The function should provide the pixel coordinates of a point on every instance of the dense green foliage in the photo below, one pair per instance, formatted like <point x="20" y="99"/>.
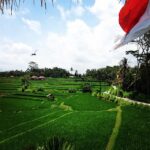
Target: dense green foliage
<point x="47" y="72"/>
<point x="16" y="73"/>
<point x="103" y="74"/>
<point x="141" y="82"/>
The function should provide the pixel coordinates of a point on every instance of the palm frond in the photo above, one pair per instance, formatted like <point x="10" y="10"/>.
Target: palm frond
<point x="12" y="4"/>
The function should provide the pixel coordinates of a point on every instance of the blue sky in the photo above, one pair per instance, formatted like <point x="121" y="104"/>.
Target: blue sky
<point x="69" y="34"/>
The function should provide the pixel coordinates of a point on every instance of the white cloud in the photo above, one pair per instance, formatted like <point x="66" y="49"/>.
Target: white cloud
<point x="105" y="8"/>
<point x="24" y="11"/>
<point x="32" y="25"/>
<point x="83" y="46"/>
<point x="14" y="55"/>
<point x="77" y="11"/>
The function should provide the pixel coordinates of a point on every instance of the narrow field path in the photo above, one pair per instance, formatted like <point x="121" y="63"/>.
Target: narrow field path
<point x="34" y="128"/>
<point x="135" y="102"/>
<point x="130" y="100"/>
<point x="29" y="121"/>
<point x="116" y="128"/>
<point x="93" y="111"/>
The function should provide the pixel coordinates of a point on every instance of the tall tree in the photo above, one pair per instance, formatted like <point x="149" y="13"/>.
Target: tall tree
<point x="142" y="55"/>
<point x="33" y="65"/>
<point x="122" y="73"/>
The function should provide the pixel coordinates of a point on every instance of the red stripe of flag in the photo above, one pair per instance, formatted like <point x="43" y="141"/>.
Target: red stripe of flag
<point x="131" y="12"/>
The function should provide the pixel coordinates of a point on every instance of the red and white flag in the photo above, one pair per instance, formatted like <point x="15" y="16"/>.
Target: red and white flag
<point x="134" y="19"/>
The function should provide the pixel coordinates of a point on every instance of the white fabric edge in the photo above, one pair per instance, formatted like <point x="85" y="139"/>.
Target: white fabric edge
<point x="138" y="30"/>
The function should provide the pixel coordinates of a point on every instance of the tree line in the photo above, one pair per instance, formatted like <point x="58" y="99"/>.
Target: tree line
<point x="47" y="72"/>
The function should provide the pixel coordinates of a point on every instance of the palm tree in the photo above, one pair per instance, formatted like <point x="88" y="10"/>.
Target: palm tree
<point x="142" y="54"/>
<point x="15" y="3"/>
<point x="12" y="4"/>
<point x="121" y="74"/>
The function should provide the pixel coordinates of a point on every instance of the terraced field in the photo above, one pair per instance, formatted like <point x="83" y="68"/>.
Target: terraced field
<point x="29" y="118"/>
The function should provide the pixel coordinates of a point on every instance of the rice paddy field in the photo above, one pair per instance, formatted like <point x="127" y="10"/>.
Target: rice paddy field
<point x="29" y="118"/>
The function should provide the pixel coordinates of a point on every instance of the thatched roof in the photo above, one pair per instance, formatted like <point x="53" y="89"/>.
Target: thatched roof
<point x="41" y="77"/>
<point x="34" y="77"/>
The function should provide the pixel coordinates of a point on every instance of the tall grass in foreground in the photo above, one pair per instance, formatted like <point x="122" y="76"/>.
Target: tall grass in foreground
<point x="54" y="143"/>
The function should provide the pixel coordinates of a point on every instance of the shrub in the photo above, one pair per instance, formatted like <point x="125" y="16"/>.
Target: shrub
<point x="126" y="94"/>
<point x="120" y="93"/>
<point x="132" y="95"/>
<point x="25" y="82"/>
<point x="117" y="91"/>
<point x="33" y="91"/>
<point x="40" y="89"/>
<point x="22" y="89"/>
<point x="72" y="90"/>
<point x="51" y="97"/>
<point x="95" y="94"/>
<point x="87" y="88"/>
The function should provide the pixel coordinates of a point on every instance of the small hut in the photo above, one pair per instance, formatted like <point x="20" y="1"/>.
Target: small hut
<point x="41" y="78"/>
<point x="34" y="78"/>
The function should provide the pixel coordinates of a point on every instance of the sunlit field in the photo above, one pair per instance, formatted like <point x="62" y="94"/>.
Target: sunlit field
<point x="29" y="118"/>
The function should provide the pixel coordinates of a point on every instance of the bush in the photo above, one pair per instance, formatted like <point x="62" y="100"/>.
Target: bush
<point x="94" y="94"/>
<point x="33" y="91"/>
<point x="22" y="89"/>
<point x="117" y="91"/>
<point x="87" y="88"/>
<point x="120" y="93"/>
<point x="51" y="97"/>
<point x="72" y="90"/>
<point x="40" y="89"/>
<point x="132" y="95"/>
<point x="126" y="94"/>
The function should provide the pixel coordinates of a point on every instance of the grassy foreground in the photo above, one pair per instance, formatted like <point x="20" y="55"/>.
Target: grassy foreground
<point x="29" y="118"/>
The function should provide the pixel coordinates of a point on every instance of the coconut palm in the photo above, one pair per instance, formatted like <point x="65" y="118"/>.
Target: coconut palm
<point x="12" y="4"/>
<point x="121" y="74"/>
<point x="15" y="3"/>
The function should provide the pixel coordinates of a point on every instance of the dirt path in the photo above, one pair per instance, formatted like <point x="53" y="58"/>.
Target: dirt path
<point x="113" y="137"/>
<point x="136" y="102"/>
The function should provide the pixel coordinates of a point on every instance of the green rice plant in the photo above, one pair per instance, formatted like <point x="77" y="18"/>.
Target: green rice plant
<point x="54" y="143"/>
<point x="65" y="107"/>
<point x="30" y="147"/>
<point x="134" y="132"/>
<point x="57" y="143"/>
